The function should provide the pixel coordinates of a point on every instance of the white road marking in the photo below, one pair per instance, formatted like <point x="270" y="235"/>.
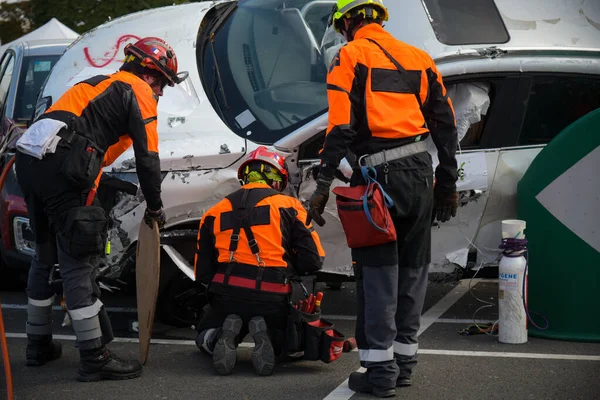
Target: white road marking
<point x="340" y="317"/>
<point x="463" y="321"/>
<point x="444" y="304"/>
<point x="124" y="340"/>
<point x="331" y="317"/>
<point x="342" y="392"/>
<point x="59" y="308"/>
<point x="439" y="352"/>
<point x="510" y="355"/>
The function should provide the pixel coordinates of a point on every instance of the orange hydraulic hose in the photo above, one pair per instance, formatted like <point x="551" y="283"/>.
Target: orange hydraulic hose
<point x="5" y="171"/>
<point x="5" y="358"/>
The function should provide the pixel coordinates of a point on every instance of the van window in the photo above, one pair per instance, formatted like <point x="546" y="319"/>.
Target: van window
<point x="263" y="70"/>
<point x="471" y="102"/>
<point x="555" y="103"/>
<point x="34" y="72"/>
<point x="6" y="71"/>
<point x="458" y="22"/>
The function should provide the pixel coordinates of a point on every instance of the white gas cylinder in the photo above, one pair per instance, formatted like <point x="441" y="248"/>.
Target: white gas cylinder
<point x="512" y="321"/>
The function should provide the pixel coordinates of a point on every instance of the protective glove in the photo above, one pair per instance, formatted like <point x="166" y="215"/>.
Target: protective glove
<point x="314" y="171"/>
<point x="316" y="206"/>
<point x="159" y="216"/>
<point x="445" y="204"/>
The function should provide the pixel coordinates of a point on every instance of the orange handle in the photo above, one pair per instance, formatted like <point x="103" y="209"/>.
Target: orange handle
<point x="5" y="358"/>
<point x="5" y="171"/>
<point x="309" y="303"/>
<point x="319" y="298"/>
<point x="90" y="197"/>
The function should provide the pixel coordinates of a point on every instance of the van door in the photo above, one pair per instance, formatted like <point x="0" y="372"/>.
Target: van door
<point x="6" y="72"/>
<point x="550" y="102"/>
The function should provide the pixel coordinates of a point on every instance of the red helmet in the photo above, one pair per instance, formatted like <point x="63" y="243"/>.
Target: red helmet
<point x="156" y="54"/>
<point x="268" y="158"/>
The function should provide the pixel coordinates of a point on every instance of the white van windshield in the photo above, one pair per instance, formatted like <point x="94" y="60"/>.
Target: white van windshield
<point x="264" y="71"/>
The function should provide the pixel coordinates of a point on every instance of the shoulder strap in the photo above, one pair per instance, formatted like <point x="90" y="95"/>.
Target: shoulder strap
<point x="400" y="68"/>
<point x="369" y="174"/>
<point x="242" y="204"/>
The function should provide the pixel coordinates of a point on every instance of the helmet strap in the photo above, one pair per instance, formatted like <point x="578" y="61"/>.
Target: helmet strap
<point x="261" y="171"/>
<point x="357" y="20"/>
<point x="354" y="24"/>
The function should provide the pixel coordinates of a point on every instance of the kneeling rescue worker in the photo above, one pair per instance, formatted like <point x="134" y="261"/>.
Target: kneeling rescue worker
<point x="250" y="246"/>
<point x="385" y="97"/>
<point x="88" y="128"/>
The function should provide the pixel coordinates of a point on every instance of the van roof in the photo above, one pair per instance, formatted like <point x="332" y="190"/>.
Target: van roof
<point x="43" y="47"/>
<point x="444" y="30"/>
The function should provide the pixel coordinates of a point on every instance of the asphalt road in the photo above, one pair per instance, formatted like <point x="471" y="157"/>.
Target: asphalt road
<point x="451" y="365"/>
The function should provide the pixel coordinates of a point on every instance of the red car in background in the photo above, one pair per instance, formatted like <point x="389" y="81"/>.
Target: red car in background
<point x="16" y="239"/>
<point x="24" y="68"/>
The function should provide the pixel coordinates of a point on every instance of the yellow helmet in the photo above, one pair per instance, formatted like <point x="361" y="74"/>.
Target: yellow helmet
<point x="369" y="9"/>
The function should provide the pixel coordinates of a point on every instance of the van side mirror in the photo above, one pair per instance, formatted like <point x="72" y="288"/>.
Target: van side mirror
<point x="42" y="105"/>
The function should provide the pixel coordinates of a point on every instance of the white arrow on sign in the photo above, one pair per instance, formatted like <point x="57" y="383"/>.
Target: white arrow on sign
<point x="574" y="198"/>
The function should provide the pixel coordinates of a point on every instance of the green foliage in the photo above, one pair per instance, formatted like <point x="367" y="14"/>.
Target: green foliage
<point x="81" y="16"/>
<point x="13" y="20"/>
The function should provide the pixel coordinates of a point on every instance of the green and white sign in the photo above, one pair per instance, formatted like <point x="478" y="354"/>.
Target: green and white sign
<point x="559" y="197"/>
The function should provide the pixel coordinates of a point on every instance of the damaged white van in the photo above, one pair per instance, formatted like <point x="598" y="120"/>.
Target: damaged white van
<point x="518" y="72"/>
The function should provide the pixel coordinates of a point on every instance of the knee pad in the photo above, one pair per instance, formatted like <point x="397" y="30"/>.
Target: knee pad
<point x="85" y="231"/>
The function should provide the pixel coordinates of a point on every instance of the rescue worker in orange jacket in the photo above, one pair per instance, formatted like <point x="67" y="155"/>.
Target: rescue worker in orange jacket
<point x="250" y="246"/>
<point x="87" y="128"/>
<point x="385" y="98"/>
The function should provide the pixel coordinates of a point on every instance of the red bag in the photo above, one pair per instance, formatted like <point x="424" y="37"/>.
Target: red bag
<point x="333" y="345"/>
<point x="322" y="341"/>
<point x="364" y="213"/>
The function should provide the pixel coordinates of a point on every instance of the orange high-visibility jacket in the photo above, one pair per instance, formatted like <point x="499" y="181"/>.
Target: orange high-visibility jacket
<point x="116" y="111"/>
<point x="284" y="245"/>
<point x="374" y="107"/>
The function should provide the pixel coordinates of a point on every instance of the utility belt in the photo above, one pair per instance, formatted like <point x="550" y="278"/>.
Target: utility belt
<point x="310" y="337"/>
<point x="254" y="277"/>
<point x="83" y="161"/>
<point x="386" y="156"/>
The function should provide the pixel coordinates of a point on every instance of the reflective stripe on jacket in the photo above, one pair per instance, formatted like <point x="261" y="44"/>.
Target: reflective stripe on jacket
<point x="373" y="107"/>
<point x="116" y="111"/>
<point x="287" y="247"/>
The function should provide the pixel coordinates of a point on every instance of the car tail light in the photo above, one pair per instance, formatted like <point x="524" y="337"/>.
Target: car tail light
<point x="24" y="240"/>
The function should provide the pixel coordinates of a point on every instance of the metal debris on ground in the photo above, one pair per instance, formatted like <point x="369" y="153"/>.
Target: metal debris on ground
<point x="477" y="329"/>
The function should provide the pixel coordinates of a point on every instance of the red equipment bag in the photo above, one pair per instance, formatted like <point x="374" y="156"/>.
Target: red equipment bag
<point x="322" y="341"/>
<point x="333" y="345"/>
<point x="364" y="213"/>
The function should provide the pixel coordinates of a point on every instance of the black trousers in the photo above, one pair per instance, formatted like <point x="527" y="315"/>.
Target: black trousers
<point x="68" y="234"/>
<point x="392" y="278"/>
<point x="221" y="306"/>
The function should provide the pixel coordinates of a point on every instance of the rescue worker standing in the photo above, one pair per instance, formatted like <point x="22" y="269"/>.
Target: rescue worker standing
<point x="93" y="123"/>
<point x="385" y="98"/>
<point x="250" y="246"/>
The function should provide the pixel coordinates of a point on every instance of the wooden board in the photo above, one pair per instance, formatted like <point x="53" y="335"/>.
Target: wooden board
<point x="147" y="271"/>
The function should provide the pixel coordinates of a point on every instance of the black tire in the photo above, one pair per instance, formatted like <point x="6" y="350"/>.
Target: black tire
<point x="180" y="303"/>
<point x="10" y="278"/>
<point x="334" y="285"/>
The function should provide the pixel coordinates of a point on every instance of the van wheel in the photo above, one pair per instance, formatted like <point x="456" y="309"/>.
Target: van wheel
<point x="181" y="302"/>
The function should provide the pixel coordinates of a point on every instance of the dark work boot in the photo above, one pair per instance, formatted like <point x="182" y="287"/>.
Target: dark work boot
<point x="403" y="382"/>
<point x="41" y="349"/>
<point x="225" y="351"/>
<point x="207" y="340"/>
<point x="99" y="364"/>
<point x="263" y="355"/>
<point x="359" y="382"/>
